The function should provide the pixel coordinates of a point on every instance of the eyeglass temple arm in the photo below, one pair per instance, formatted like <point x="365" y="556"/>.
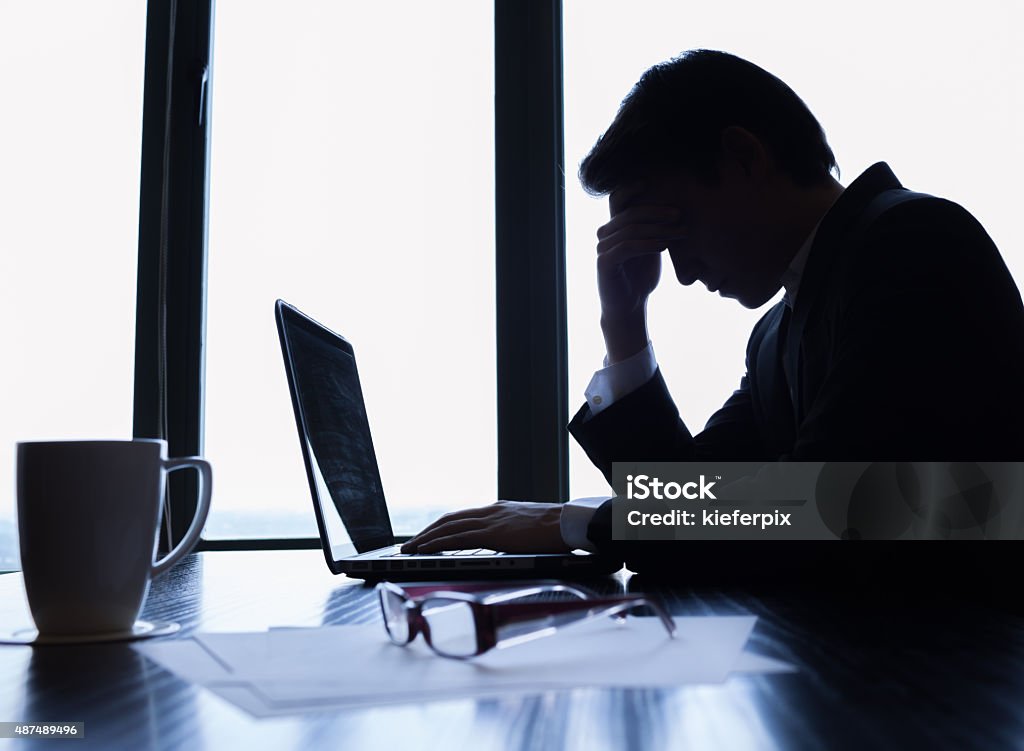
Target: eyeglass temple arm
<point x="492" y="592"/>
<point x="509" y="613"/>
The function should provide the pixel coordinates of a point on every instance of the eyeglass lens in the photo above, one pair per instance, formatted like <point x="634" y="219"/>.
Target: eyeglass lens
<point x="452" y="626"/>
<point x="396" y="617"/>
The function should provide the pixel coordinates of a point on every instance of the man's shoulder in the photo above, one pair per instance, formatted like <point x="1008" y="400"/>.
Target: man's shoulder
<point x="921" y="222"/>
<point x="916" y="231"/>
<point x="908" y="212"/>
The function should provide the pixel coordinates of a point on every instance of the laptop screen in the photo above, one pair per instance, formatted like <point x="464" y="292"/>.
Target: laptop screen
<point x="344" y="478"/>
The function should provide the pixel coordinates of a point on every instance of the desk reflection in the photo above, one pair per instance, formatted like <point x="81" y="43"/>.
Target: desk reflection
<point x="123" y="699"/>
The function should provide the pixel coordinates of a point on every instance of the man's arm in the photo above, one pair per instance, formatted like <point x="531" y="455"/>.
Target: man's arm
<point x="928" y="361"/>
<point x="617" y="380"/>
<point x="645" y="426"/>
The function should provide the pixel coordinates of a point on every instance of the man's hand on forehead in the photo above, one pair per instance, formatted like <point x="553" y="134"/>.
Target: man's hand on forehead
<point x="640" y="223"/>
<point x="643" y="223"/>
<point x="639" y="215"/>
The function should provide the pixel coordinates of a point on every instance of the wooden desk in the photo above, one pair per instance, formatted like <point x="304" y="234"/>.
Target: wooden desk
<point x="872" y="675"/>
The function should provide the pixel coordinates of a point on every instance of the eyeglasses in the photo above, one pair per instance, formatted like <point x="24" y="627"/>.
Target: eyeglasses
<point x="458" y="622"/>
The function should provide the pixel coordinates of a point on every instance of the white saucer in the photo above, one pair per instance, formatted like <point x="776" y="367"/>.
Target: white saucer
<point x="141" y="630"/>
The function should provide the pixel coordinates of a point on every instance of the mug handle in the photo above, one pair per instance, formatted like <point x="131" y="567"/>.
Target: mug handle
<point x="191" y="537"/>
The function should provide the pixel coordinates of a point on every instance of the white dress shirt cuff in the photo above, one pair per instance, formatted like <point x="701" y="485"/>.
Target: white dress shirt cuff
<point x="613" y="382"/>
<point x="576" y="516"/>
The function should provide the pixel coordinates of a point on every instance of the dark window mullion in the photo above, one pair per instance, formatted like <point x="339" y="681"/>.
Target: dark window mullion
<point x="172" y="238"/>
<point x="530" y="244"/>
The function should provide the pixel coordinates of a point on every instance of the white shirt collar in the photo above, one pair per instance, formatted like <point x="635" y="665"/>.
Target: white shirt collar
<point x="792" y="275"/>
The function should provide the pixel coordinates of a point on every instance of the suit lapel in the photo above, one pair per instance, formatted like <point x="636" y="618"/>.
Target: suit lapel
<point x="833" y="230"/>
<point x="773" y="394"/>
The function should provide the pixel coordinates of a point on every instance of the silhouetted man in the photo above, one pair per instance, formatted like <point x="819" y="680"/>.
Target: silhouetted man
<point x="900" y="335"/>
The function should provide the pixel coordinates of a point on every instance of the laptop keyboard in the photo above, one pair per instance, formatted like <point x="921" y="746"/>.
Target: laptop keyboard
<point x="471" y="551"/>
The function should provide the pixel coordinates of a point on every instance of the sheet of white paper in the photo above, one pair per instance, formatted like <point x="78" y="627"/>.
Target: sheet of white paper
<point x="284" y="671"/>
<point x="295" y="665"/>
<point x="186" y="658"/>
<point x="320" y="652"/>
<point x="593" y="657"/>
<point x="189" y="660"/>
<point x="248" y="698"/>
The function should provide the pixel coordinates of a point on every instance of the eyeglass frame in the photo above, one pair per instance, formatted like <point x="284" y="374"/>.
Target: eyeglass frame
<point x="485" y="607"/>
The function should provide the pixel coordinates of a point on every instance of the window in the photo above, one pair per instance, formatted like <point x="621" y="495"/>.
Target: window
<point x="352" y="174"/>
<point x="932" y="89"/>
<point x="70" y="146"/>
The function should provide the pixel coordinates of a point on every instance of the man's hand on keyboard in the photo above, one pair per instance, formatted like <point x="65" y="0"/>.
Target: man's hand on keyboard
<point x="509" y="526"/>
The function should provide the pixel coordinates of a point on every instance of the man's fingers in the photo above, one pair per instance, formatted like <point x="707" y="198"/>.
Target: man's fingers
<point x="478" y="512"/>
<point x="639" y="215"/>
<point x="431" y="530"/>
<point x="438" y="530"/>
<point x="662" y="234"/>
<point x="457" y="541"/>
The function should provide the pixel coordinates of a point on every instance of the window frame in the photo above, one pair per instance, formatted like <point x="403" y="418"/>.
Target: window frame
<point x="532" y="361"/>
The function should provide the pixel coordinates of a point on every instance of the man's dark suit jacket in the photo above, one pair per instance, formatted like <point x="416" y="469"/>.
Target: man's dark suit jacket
<point x="905" y="342"/>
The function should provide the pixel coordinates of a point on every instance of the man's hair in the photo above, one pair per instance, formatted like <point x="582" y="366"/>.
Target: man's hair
<point x="673" y="119"/>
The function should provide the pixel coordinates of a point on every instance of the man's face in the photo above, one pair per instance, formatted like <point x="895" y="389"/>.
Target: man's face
<point x="728" y="230"/>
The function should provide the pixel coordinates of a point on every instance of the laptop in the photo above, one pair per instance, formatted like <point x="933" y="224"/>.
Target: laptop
<point x="344" y="480"/>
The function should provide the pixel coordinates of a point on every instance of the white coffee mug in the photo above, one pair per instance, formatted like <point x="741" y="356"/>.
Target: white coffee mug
<point x="87" y="521"/>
